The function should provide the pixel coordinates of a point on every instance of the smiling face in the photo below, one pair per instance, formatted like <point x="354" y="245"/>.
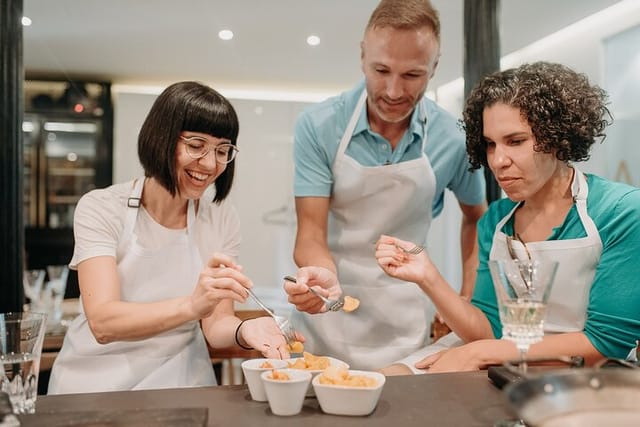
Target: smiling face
<point x="193" y="176"/>
<point x="520" y="171"/>
<point x="397" y="65"/>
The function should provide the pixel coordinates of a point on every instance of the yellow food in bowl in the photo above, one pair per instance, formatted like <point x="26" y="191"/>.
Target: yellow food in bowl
<point x="267" y="365"/>
<point x="278" y="376"/>
<point x="310" y="362"/>
<point x="339" y="376"/>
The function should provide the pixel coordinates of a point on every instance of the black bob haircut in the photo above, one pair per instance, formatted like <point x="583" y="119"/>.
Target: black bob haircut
<point x="185" y="106"/>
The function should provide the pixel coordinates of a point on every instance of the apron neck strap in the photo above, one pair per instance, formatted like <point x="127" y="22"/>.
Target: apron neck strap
<point x="579" y="188"/>
<point x="346" y="137"/>
<point x="133" y="204"/>
<point x="135" y="201"/>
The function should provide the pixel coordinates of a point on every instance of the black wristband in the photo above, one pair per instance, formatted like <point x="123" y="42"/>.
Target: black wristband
<point x="236" y="336"/>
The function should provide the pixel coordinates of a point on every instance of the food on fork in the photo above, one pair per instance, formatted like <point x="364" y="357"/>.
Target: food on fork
<point x="331" y="305"/>
<point x="350" y="304"/>
<point x="295" y="347"/>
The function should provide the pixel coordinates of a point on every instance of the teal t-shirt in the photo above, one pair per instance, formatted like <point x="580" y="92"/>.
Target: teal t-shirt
<point x="613" y="311"/>
<point x="320" y="127"/>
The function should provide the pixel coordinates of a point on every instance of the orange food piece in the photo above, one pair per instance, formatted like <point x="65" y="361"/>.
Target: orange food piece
<point x="310" y="362"/>
<point x="340" y="376"/>
<point x="295" y="347"/>
<point x="278" y="376"/>
<point x="266" y="364"/>
<point x="350" y="304"/>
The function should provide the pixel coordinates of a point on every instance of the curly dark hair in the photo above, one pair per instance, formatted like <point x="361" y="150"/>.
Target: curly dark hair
<point x="566" y="113"/>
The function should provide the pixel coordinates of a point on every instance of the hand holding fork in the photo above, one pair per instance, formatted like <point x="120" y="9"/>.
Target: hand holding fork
<point x="282" y="322"/>
<point x="331" y="305"/>
<point x="415" y="250"/>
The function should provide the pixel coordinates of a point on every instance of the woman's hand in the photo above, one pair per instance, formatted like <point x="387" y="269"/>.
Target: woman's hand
<point x="399" y="264"/>
<point x="469" y="357"/>
<point x="324" y="281"/>
<point x="221" y="279"/>
<point x="264" y="335"/>
<point x="455" y="359"/>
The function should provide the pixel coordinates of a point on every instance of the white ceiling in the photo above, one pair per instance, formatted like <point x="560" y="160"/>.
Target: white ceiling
<point x="156" y="42"/>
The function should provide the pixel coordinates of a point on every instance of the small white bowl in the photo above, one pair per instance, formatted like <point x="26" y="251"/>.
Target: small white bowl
<point x="252" y="370"/>
<point x="349" y="400"/>
<point x="314" y="372"/>
<point x="286" y="396"/>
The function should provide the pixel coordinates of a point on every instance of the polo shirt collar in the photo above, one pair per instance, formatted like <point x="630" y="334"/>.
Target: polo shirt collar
<point x="417" y="124"/>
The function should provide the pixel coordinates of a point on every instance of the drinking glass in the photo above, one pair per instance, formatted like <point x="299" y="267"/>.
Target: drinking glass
<point x="21" y="338"/>
<point x="55" y="289"/>
<point x="522" y="290"/>
<point x="32" y="281"/>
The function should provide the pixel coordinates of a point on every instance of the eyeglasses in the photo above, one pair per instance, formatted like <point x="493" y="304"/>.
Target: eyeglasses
<point x="526" y="270"/>
<point x="512" y="251"/>
<point x="197" y="148"/>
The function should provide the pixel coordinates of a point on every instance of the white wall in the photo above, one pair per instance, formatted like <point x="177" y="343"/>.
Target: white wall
<point x="263" y="193"/>
<point x="622" y="80"/>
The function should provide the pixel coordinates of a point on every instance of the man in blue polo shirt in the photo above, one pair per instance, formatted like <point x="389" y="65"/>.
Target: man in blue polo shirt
<point x="376" y="160"/>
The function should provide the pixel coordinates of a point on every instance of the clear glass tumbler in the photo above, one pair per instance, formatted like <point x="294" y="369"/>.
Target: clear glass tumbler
<point x="21" y="339"/>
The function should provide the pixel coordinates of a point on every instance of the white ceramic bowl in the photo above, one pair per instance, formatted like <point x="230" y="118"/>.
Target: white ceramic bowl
<point x="314" y="372"/>
<point x="252" y="370"/>
<point x="286" y="396"/>
<point x="349" y="400"/>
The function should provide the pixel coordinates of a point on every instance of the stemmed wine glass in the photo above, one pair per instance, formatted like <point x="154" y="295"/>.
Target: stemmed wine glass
<point x="522" y="290"/>
<point x="32" y="283"/>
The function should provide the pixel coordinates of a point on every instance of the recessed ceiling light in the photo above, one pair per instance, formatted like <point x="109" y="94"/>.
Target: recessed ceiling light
<point x="225" y="34"/>
<point x="26" y="21"/>
<point x="313" y="40"/>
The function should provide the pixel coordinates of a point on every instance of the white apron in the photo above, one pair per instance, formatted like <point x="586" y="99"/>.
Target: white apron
<point x="393" y="318"/>
<point x="176" y="358"/>
<point x="577" y="263"/>
<point x="578" y="260"/>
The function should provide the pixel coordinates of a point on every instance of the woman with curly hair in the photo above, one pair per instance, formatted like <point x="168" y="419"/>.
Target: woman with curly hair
<point x="528" y="125"/>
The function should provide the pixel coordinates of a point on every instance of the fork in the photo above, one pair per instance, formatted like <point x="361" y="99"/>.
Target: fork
<point x="331" y="305"/>
<point x="413" y="251"/>
<point x="282" y="322"/>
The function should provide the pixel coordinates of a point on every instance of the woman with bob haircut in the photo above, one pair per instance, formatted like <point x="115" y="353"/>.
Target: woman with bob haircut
<point x="156" y="259"/>
<point x="528" y="125"/>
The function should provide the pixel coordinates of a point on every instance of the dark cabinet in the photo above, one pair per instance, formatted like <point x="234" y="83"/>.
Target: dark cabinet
<point x="68" y="146"/>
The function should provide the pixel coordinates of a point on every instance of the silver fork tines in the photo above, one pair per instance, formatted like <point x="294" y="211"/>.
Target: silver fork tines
<point x="282" y="322"/>
<point x="413" y="251"/>
<point x="332" y="305"/>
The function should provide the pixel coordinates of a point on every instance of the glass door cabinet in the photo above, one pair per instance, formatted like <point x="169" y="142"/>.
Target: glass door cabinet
<point x="67" y="139"/>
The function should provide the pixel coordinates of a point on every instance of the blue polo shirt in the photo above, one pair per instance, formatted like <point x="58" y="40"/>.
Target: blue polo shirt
<point x="320" y="127"/>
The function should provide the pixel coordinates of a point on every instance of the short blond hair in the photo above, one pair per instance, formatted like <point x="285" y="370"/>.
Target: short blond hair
<point x="405" y="15"/>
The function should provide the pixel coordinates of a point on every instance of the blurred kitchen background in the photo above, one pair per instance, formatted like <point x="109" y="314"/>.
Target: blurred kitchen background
<point x="93" y="69"/>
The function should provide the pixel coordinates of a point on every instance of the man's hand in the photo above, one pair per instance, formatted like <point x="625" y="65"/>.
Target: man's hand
<point x="324" y="282"/>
